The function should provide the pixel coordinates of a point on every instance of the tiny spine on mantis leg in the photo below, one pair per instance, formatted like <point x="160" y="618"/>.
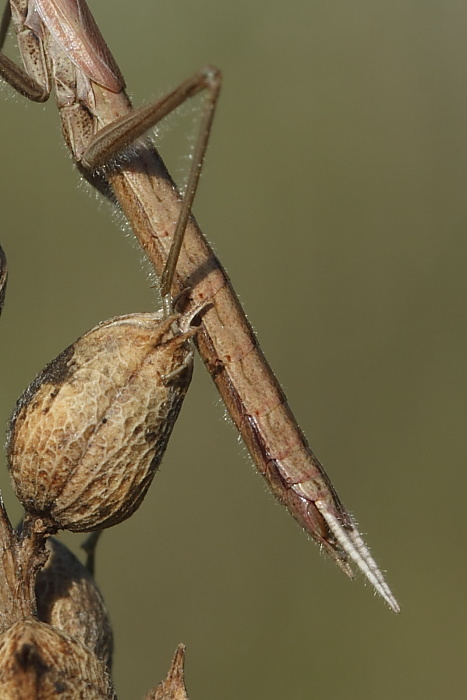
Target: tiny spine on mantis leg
<point x="61" y="45"/>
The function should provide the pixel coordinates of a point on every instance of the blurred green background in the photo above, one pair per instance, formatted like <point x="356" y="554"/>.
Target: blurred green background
<point x="335" y="195"/>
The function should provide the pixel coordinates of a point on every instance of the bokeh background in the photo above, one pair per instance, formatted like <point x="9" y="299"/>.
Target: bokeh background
<point x="335" y="195"/>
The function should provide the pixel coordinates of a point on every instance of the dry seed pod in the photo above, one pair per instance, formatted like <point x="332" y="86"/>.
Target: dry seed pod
<point x="68" y="598"/>
<point x="38" y="661"/>
<point x="173" y="686"/>
<point x="88" y="434"/>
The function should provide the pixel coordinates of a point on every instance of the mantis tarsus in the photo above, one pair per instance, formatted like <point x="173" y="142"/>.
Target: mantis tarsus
<point x="61" y="45"/>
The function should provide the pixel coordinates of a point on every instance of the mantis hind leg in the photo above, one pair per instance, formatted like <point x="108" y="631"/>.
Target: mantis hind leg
<point x="115" y="137"/>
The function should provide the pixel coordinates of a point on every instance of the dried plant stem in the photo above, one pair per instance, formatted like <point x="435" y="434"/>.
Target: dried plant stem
<point x="3" y="277"/>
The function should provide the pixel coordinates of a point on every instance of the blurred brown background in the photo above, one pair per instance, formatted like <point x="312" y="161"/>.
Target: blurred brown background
<point x="335" y="195"/>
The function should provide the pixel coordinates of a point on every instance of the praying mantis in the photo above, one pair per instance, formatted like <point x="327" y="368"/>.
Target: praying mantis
<point x="62" y="47"/>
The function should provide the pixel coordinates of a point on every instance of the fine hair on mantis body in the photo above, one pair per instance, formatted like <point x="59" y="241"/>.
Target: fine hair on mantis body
<point x="61" y="47"/>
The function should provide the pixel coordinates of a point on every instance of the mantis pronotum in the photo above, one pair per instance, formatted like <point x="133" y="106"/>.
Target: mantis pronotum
<point x="61" y="46"/>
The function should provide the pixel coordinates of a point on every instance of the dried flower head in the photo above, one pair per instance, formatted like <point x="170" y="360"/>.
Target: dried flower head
<point x="68" y="598"/>
<point x="38" y="661"/>
<point x="88" y="434"/>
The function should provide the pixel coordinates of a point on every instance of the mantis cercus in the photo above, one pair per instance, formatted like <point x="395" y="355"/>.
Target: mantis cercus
<point x="61" y="45"/>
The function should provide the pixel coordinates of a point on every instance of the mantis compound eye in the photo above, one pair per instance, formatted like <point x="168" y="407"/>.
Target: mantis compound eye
<point x="88" y="434"/>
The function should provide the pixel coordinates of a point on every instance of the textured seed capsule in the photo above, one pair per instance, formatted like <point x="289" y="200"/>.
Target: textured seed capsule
<point x="41" y="662"/>
<point x="68" y="598"/>
<point x="88" y="434"/>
